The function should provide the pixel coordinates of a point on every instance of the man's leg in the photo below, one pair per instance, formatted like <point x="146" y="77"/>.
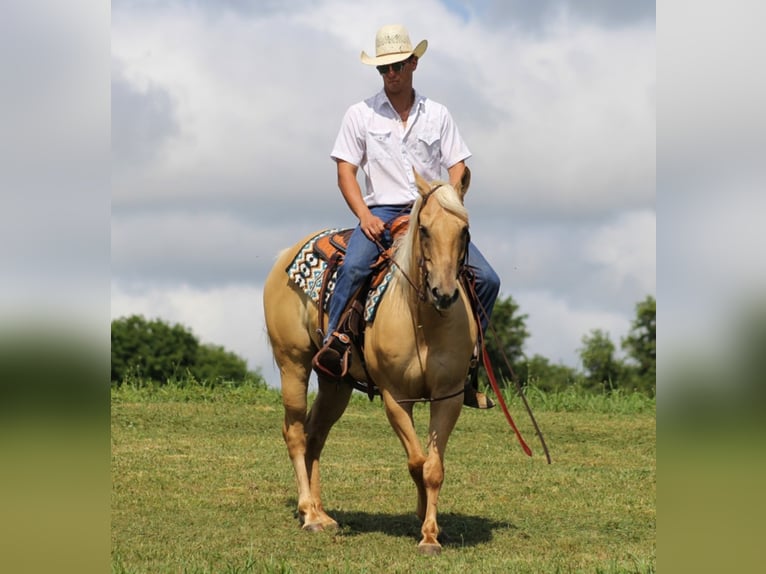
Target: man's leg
<point x="487" y="289"/>
<point x="361" y="253"/>
<point x="487" y="284"/>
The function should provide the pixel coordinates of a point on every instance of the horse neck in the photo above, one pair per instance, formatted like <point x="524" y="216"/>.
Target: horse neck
<point x="409" y="279"/>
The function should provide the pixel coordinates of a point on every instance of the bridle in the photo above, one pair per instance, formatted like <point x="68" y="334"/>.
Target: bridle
<point x="421" y="291"/>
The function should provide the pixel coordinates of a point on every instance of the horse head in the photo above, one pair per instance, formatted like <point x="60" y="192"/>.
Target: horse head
<point x="439" y="224"/>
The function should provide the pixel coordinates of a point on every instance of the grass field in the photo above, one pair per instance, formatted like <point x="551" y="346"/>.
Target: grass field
<point x="201" y="483"/>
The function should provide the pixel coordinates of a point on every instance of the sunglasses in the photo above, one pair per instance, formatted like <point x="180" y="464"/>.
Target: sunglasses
<point x="396" y="67"/>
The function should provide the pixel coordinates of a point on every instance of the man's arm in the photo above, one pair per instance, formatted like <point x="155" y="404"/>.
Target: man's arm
<point x="349" y="186"/>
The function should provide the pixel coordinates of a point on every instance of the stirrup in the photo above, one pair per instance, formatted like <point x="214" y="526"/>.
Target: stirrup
<point x="334" y="358"/>
<point x="471" y="395"/>
<point x="476" y="400"/>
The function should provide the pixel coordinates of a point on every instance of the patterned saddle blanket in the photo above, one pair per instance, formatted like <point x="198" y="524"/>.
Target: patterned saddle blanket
<point x="325" y="251"/>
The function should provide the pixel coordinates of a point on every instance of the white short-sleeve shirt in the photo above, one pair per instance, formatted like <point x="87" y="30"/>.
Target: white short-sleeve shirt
<point x="373" y="137"/>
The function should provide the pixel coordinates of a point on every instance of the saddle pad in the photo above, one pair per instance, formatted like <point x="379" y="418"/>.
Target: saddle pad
<point x="307" y="271"/>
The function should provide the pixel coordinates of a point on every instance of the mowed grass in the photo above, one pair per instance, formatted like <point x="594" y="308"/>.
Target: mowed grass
<point x="202" y="484"/>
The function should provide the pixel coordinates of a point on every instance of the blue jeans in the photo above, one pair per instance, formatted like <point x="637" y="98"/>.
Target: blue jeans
<point x="361" y="253"/>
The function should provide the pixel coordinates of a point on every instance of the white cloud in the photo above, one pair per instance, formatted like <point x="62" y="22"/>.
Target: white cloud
<point x="228" y="316"/>
<point x="560" y="118"/>
<point x="556" y="328"/>
<point x="249" y="112"/>
<point x="211" y="248"/>
<point x="625" y="251"/>
<point x="577" y="132"/>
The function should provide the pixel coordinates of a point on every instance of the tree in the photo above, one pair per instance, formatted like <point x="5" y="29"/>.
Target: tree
<point x="154" y="350"/>
<point x="601" y="366"/>
<point x="214" y="363"/>
<point x="641" y="345"/>
<point x="506" y="336"/>
<point x="539" y="371"/>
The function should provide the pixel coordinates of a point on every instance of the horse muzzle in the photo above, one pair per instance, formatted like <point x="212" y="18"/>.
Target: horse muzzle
<point x="443" y="301"/>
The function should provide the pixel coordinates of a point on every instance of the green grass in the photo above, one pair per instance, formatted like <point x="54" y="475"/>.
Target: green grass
<point x="202" y="484"/>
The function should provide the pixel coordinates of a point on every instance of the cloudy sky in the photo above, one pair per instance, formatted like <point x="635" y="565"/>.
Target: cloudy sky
<point x="224" y="114"/>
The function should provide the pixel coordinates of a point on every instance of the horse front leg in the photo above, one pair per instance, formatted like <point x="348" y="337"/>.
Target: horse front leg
<point x="330" y="403"/>
<point x="400" y="419"/>
<point x="444" y="415"/>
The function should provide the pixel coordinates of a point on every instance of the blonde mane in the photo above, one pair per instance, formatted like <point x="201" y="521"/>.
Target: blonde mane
<point x="451" y="202"/>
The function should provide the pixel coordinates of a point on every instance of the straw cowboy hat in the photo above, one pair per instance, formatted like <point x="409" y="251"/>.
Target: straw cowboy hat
<point x="392" y="44"/>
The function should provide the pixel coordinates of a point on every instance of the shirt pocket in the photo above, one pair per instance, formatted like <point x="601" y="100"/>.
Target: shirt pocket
<point x="428" y="147"/>
<point x="378" y="145"/>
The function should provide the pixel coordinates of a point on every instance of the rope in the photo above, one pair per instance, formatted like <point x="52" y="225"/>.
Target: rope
<point x="495" y="387"/>
<point x="429" y="399"/>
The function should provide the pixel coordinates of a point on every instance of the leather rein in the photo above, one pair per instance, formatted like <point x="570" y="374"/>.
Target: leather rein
<point x="420" y="291"/>
<point x="385" y="253"/>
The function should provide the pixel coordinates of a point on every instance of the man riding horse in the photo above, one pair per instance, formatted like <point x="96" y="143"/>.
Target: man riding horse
<point x="390" y="136"/>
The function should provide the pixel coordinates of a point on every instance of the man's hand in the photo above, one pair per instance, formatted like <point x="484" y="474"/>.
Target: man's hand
<point x="372" y="226"/>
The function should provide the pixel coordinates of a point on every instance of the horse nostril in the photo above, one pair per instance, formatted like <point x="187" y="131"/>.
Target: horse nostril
<point x="444" y="301"/>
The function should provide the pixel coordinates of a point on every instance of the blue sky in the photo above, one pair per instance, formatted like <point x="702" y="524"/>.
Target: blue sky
<point x="223" y="116"/>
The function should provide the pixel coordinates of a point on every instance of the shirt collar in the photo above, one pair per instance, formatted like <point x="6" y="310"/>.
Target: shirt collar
<point x="381" y="101"/>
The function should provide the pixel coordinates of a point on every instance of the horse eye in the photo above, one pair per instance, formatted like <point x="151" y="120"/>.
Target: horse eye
<point x="423" y="231"/>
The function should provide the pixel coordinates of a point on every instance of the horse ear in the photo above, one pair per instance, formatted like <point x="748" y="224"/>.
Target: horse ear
<point x="465" y="182"/>
<point x="422" y="184"/>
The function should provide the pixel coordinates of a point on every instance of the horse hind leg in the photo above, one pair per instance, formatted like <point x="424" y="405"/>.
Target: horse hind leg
<point x="294" y="389"/>
<point x="303" y="446"/>
<point x="330" y="403"/>
<point x="295" y="370"/>
<point x="415" y="466"/>
<point x="289" y="324"/>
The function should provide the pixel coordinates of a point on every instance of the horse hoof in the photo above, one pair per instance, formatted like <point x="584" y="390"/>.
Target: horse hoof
<point x="313" y="527"/>
<point x="429" y="549"/>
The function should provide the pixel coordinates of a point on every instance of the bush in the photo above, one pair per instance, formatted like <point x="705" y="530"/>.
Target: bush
<point x="539" y="371"/>
<point x="215" y="364"/>
<point x="153" y="350"/>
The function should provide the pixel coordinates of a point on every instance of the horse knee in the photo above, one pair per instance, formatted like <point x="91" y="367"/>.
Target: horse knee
<point x="294" y="434"/>
<point x="433" y="474"/>
<point x="415" y="464"/>
<point x="415" y="467"/>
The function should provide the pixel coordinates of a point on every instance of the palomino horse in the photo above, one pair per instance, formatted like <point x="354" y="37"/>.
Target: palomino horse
<point x="419" y="346"/>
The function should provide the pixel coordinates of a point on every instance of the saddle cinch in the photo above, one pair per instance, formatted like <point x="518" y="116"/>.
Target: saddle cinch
<point x="331" y="248"/>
